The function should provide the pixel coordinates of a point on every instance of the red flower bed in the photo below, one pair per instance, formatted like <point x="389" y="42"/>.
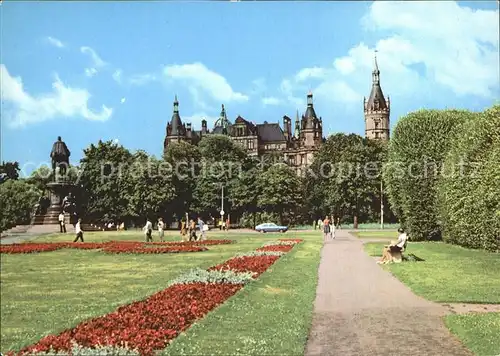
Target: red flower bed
<point x="85" y="245"/>
<point x="130" y="248"/>
<point x="256" y="264"/>
<point x="146" y="325"/>
<point x="292" y="240"/>
<point x="276" y="248"/>
<point x="114" y="246"/>
<point x="30" y="248"/>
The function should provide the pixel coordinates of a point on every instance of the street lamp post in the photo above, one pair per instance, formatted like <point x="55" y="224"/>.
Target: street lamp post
<point x="381" y="205"/>
<point x="221" y="201"/>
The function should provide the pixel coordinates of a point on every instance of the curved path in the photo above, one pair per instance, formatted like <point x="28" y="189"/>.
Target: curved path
<point x="360" y="309"/>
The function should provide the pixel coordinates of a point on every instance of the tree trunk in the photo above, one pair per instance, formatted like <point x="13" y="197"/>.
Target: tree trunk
<point x="355" y="225"/>
<point x="254" y="217"/>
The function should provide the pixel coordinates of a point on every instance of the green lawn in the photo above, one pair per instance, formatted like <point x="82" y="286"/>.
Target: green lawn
<point x="382" y="234"/>
<point x="449" y="273"/>
<point x="48" y="292"/>
<point x="479" y="332"/>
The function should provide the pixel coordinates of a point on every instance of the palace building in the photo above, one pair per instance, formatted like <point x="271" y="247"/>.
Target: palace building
<point x="297" y="144"/>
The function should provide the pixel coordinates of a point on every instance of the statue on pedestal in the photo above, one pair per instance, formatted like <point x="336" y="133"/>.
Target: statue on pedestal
<point x="60" y="156"/>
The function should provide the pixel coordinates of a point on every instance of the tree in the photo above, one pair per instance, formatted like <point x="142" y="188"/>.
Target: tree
<point x="150" y="188"/>
<point x="40" y="177"/>
<point x="185" y="160"/>
<point x="222" y="162"/>
<point x="280" y="191"/>
<point x="104" y="181"/>
<point x="9" y="170"/>
<point x="344" y="179"/>
<point x="18" y="199"/>
<point x="469" y="190"/>
<point x="419" y="145"/>
<point x="245" y="192"/>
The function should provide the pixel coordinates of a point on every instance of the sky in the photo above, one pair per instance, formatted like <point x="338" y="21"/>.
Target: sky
<point x="110" y="70"/>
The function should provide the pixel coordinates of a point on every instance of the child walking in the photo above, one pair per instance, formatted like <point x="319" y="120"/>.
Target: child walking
<point x="79" y="232"/>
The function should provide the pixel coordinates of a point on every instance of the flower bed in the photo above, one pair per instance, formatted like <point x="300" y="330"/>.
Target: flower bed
<point x="129" y="248"/>
<point x="114" y="246"/>
<point x="276" y="248"/>
<point x="147" y="326"/>
<point x="295" y="241"/>
<point x="255" y="264"/>
<point x="29" y="248"/>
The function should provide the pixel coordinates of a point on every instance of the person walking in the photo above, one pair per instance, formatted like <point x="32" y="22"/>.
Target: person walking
<point x="184" y="230"/>
<point x="192" y="230"/>
<point x="320" y="224"/>
<point x="201" y="225"/>
<point x="78" y="230"/>
<point x="148" y="231"/>
<point x="62" y="223"/>
<point x="326" y="228"/>
<point x="161" y="227"/>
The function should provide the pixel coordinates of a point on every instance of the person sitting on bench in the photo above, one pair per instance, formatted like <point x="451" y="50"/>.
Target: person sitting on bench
<point x="393" y="251"/>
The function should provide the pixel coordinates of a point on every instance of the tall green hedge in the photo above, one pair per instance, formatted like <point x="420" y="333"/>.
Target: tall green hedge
<point x="417" y="150"/>
<point x="469" y="192"/>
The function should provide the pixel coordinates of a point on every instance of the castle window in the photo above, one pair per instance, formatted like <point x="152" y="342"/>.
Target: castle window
<point x="377" y="135"/>
<point x="376" y="124"/>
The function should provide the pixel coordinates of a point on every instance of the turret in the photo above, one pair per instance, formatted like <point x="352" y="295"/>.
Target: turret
<point x="376" y="108"/>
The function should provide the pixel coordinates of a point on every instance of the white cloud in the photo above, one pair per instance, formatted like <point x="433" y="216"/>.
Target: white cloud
<point x="271" y="100"/>
<point x="117" y="76"/>
<point x="420" y="52"/>
<point x="205" y="81"/>
<point x="54" y="42"/>
<point x="97" y="62"/>
<point x="142" y="79"/>
<point x="310" y="73"/>
<point x="20" y="108"/>
<point x="123" y="100"/>
<point x="90" y="72"/>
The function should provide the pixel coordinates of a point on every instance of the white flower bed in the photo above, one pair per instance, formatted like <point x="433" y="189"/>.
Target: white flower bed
<point x="214" y="276"/>
<point x="260" y="253"/>
<point x="78" y="350"/>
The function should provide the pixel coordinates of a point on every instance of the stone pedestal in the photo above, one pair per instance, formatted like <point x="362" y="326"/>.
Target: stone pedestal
<point x="57" y="191"/>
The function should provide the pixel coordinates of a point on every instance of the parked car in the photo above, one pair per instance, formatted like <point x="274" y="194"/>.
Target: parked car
<point x="271" y="227"/>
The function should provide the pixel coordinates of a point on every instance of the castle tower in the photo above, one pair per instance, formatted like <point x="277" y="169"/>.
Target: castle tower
<point x="176" y="131"/>
<point x="310" y="133"/>
<point x="222" y="125"/>
<point x="377" y="109"/>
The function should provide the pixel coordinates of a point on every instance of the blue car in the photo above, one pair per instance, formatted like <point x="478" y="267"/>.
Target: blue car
<point x="271" y="227"/>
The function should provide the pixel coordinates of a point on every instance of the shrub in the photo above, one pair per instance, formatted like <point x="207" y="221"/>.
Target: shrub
<point x="469" y="198"/>
<point x="417" y="150"/>
<point x="18" y="200"/>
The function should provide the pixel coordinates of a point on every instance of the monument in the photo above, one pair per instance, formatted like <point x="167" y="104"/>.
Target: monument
<point x="60" y="190"/>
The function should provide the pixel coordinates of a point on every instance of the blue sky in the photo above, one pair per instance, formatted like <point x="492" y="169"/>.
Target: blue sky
<point x="110" y="70"/>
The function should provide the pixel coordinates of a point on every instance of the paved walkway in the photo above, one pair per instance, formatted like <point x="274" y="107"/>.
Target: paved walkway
<point x="360" y="309"/>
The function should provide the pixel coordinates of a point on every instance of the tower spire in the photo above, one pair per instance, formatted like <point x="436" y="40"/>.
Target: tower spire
<point x="297" y="125"/>
<point x="176" y="104"/>
<point x="376" y="71"/>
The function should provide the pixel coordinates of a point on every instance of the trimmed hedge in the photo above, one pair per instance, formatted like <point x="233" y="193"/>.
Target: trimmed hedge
<point x="469" y="198"/>
<point x="417" y="150"/>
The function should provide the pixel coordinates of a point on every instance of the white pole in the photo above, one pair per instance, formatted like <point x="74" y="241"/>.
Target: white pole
<point x="381" y="205"/>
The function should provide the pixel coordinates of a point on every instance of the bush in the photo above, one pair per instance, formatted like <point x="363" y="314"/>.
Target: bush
<point x="417" y="150"/>
<point x="18" y="200"/>
<point x="469" y="198"/>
